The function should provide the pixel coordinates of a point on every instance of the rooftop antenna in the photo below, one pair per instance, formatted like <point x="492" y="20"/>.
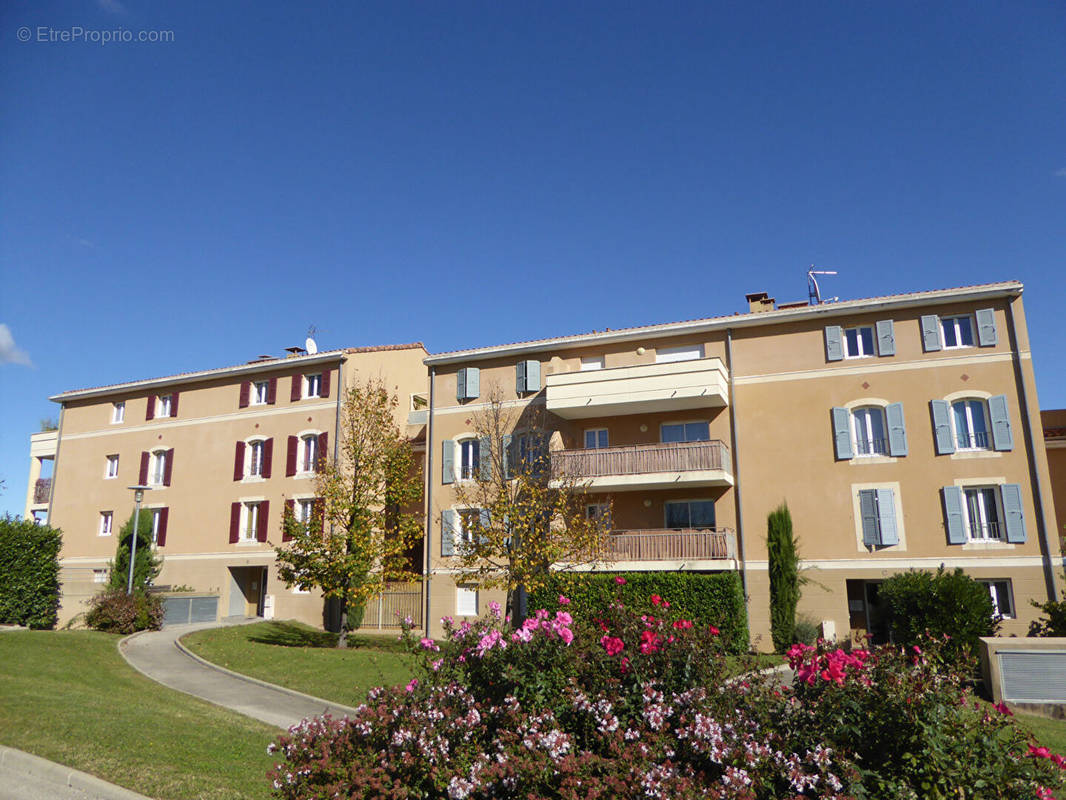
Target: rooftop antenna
<point x="310" y="345"/>
<point x="814" y="295"/>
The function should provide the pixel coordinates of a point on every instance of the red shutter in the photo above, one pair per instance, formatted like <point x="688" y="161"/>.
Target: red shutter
<point x="234" y="523"/>
<point x="272" y="391"/>
<point x="290" y="457"/>
<point x="319" y="513"/>
<point x="142" y="476"/>
<point x="161" y="533"/>
<point x="174" y="404"/>
<point x="268" y="457"/>
<point x="238" y="462"/>
<point x="297" y="388"/>
<point x="325" y="383"/>
<point x="323" y="441"/>
<point x="246" y="392"/>
<point x="261" y="531"/>
<point x="150" y="411"/>
<point x="290" y="512"/>
<point x="168" y="468"/>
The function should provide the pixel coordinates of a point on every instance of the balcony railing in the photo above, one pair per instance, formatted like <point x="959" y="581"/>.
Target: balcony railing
<point x="640" y="459"/>
<point x="690" y="544"/>
<point x="41" y="490"/>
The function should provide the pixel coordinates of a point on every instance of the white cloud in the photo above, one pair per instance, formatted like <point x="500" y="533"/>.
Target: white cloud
<point x="1061" y="173"/>
<point x="9" y="353"/>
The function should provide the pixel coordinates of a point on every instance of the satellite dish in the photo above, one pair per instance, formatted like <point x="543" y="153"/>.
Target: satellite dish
<point x="310" y="346"/>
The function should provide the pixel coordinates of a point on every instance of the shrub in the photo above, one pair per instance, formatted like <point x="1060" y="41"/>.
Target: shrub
<point x="806" y="631"/>
<point x="1055" y="622"/>
<point x="784" y="577"/>
<point x="939" y="603"/>
<point x="147" y="565"/>
<point x="29" y="573"/>
<point x="114" y="611"/>
<point x="708" y="599"/>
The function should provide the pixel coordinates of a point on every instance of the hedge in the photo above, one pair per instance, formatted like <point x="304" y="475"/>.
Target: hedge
<point x="713" y="599"/>
<point x="29" y="573"/>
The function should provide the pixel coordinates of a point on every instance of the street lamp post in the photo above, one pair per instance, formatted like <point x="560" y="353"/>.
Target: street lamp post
<point x="138" y="496"/>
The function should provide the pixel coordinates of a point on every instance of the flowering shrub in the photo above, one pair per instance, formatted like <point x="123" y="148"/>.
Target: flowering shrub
<point x="634" y="704"/>
<point x="114" y="611"/>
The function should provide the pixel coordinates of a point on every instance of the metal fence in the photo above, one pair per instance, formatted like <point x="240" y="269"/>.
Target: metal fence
<point x="671" y="545"/>
<point x="397" y="602"/>
<point x="639" y="459"/>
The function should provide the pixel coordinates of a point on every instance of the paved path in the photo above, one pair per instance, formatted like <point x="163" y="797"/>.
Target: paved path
<point x="27" y="777"/>
<point x="158" y="655"/>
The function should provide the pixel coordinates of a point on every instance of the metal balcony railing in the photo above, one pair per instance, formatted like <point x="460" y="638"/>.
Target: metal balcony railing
<point x="871" y="447"/>
<point x="41" y="490"/>
<point x="984" y="531"/>
<point x="976" y="440"/>
<point x="640" y="459"/>
<point x="687" y="544"/>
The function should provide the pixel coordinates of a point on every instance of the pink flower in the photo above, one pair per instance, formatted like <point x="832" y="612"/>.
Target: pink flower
<point x="650" y="642"/>
<point x="436" y="665"/>
<point x="714" y="631"/>
<point x="1039" y="752"/>
<point x="428" y="644"/>
<point x="656" y="600"/>
<point x="563" y="618"/>
<point x="624" y="666"/>
<point x="612" y="644"/>
<point x="1002" y="709"/>
<point x="494" y="609"/>
<point x="411" y="686"/>
<point x="564" y="600"/>
<point x="620" y="580"/>
<point x="917" y="650"/>
<point x="566" y="635"/>
<point x="683" y="624"/>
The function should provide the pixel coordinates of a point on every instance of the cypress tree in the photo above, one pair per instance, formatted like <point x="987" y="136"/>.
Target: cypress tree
<point x="784" y="577"/>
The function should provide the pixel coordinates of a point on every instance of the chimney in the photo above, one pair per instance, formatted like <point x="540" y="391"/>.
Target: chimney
<point x="759" y="302"/>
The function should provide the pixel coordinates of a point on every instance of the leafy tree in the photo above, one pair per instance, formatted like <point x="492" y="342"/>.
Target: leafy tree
<point x="146" y="564"/>
<point x="525" y="522"/>
<point x="784" y="577"/>
<point x="1054" y="624"/>
<point x="368" y="517"/>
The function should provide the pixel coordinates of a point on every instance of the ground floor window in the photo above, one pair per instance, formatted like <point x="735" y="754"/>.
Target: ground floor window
<point x="1002" y="598"/>
<point x="689" y="514"/>
<point x="465" y="601"/>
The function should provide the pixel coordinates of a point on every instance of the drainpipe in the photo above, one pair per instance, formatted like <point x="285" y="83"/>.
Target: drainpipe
<point x="428" y="538"/>
<point x="1034" y="474"/>
<point x="734" y="440"/>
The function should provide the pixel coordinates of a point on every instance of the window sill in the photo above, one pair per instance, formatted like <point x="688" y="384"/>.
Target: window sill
<point x="856" y="460"/>
<point x="249" y="542"/>
<point x="963" y="455"/>
<point x="253" y="479"/>
<point x="988" y="545"/>
<point x="303" y="475"/>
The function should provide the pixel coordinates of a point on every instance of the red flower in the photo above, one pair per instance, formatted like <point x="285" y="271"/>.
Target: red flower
<point x="656" y="600"/>
<point x="683" y="624"/>
<point x="714" y="631"/>
<point x="650" y="642"/>
<point x="612" y="644"/>
<point x="620" y="580"/>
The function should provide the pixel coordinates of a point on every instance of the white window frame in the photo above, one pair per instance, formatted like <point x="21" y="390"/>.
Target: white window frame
<point x="250" y="463"/>
<point x="249" y="521"/>
<point x="157" y="467"/>
<point x="685" y="352"/>
<point x="307" y="454"/>
<point x="156" y="512"/>
<point x="107" y="521"/>
<point x="99" y="576"/>
<point x="464" y="533"/>
<point x="990" y="584"/>
<point x="260" y="393"/>
<point x="591" y="363"/>
<point x="856" y="513"/>
<point x="467" y="445"/>
<point x="860" y="350"/>
<point x="867" y="441"/>
<point x="118" y="412"/>
<point x="684" y="423"/>
<point x="597" y="445"/>
<point x="304" y="509"/>
<point x="312" y="385"/>
<point x="956" y="331"/>
<point x="971" y="433"/>
<point x="163" y="404"/>
<point x="111" y="467"/>
<point x="466" y="601"/>
<point x="985" y="512"/>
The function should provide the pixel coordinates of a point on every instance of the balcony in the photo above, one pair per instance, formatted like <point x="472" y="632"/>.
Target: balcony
<point x="703" y="544"/>
<point x="41" y="490"/>
<point x="646" y="466"/>
<point x="677" y="386"/>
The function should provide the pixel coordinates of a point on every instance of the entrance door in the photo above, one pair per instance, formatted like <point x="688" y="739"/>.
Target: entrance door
<point x="247" y="591"/>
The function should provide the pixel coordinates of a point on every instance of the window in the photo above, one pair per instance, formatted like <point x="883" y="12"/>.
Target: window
<point x="260" y="393"/>
<point x="868" y="426"/>
<point x="469" y="458"/>
<point x="468" y="520"/>
<point x="596" y="439"/>
<point x="688" y="352"/>
<point x="956" y="332"/>
<point x="249" y="529"/>
<point x="689" y="514"/>
<point x="971" y="426"/>
<point x="465" y="601"/>
<point x="99" y="576"/>
<point x="255" y="459"/>
<point x="983" y="514"/>
<point x="112" y="467"/>
<point x="685" y="432"/>
<point x="597" y="511"/>
<point x="877" y="512"/>
<point x="467" y="383"/>
<point x="305" y="510"/>
<point x="1002" y="598"/>
<point x="157" y="475"/>
<point x="106" y="518"/>
<point x="308" y="453"/>
<point x="163" y="405"/>
<point x="591" y="362"/>
<point x="303" y="456"/>
<point x="118" y="412"/>
<point x="859" y="342"/>
<point x="527" y="377"/>
<point x="157" y="519"/>
<point x="313" y="385"/>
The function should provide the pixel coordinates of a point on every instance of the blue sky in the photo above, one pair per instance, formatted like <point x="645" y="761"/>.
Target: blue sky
<point x="468" y="173"/>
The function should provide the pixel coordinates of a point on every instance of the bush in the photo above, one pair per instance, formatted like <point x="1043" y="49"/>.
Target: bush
<point x="114" y="611"/>
<point x="952" y="603"/>
<point x="806" y="631"/>
<point x="146" y="565"/>
<point x="708" y="599"/>
<point x="784" y="577"/>
<point x="1055" y="622"/>
<point x="29" y="573"/>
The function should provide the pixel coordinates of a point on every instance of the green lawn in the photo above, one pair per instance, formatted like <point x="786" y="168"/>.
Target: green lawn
<point x="305" y="659"/>
<point x="71" y="698"/>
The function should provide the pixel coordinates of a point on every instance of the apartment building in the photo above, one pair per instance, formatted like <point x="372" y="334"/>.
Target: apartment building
<point x="224" y="452"/>
<point x="902" y="431"/>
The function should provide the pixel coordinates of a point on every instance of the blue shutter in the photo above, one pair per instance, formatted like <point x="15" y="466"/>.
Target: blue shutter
<point x="1011" y="494"/>
<point x="931" y="336"/>
<point x="447" y="532"/>
<point x="448" y="461"/>
<point x="532" y="376"/>
<point x="473" y="383"/>
<point x="868" y="513"/>
<point x="897" y="430"/>
<point x="834" y="343"/>
<point x="945" y="442"/>
<point x="886" y="338"/>
<point x="842" y="433"/>
<point x="953" y="514"/>
<point x="886" y="516"/>
<point x="986" y="327"/>
<point x="1002" y="439"/>
<point x="484" y="455"/>
<point x="507" y="455"/>
<point x="484" y="519"/>
<point x="460" y="384"/>
<point x="520" y="377"/>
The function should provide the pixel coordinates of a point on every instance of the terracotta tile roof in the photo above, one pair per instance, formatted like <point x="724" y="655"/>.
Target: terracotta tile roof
<point x="1055" y="433"/>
